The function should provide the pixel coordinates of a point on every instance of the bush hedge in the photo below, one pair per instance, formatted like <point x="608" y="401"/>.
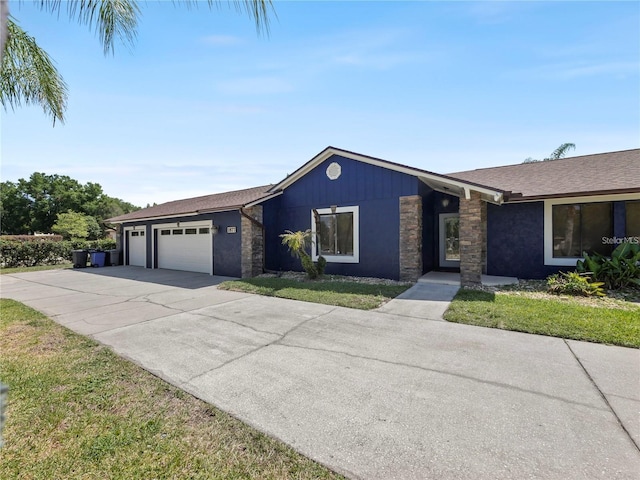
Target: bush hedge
<point x="31" y="253"/>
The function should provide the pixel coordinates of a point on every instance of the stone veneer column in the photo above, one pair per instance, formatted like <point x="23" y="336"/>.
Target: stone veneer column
<point x="410" y="238"/>
<point x="473" y="239"/>
<point x="252" y="243"/>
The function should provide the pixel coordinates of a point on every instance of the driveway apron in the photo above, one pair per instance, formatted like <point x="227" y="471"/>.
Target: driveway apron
<point x="373" y="395"/>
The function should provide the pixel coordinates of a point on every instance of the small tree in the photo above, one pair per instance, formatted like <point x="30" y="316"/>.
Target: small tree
<point x="297" y="243"/>
<point x="72" y="225"/>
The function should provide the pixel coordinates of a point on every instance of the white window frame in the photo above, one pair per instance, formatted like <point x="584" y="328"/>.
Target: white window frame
<point x="549" y="259"/>
<point x="355" y="258"/>
<point x="441" y="241"/>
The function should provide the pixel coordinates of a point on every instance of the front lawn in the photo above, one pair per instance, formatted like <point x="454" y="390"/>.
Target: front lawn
<point x="598" y="320"/>
<point x="76" y="410"/>
<point x="5" y="271"/>
<point x="364" y="296"/>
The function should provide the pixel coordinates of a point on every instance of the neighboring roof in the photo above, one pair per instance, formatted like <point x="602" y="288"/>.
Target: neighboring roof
<point x="218" y="202"/>
<point x="439" y="182"/>
<point x="599" y="174"/>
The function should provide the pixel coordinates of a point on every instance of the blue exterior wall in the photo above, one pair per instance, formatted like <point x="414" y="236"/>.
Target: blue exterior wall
<point x="515" y="241"/>
<point x="226" y="247"/>
<point x="374" y="190"/>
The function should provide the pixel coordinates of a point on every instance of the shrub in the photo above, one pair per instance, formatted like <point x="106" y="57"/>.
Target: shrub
<point x="573" y="283"/>
<point x="621" y="270"/>
<point x="33" y="253"/>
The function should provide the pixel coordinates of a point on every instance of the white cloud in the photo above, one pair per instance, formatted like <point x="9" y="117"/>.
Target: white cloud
<point x="221" y="40"/>
<point x="255" y="86"/>
<point x="573" y="70"/>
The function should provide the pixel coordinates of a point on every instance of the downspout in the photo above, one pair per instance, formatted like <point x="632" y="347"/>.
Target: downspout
<point x="261" y="227"/>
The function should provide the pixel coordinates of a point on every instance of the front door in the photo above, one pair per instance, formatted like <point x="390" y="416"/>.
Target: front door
<point x="449" y="240"/>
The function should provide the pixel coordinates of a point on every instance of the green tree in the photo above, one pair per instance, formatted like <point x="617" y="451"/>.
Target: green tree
<point x="557" y="154"/>
<point x="32" y="205"/>
<point x="14" y="209"/>
<point x="28" y="75"/>
<point x="71" y="225"/>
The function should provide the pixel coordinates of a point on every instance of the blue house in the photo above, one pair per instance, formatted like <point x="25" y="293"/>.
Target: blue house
<point x="372" y="217"/>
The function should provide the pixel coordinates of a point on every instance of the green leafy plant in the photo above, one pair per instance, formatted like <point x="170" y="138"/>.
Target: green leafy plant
<point x="621" y="270"/>
<point x="574" y="283"/>
<point x="14" y="253"/>
<point x="297" y="243"/>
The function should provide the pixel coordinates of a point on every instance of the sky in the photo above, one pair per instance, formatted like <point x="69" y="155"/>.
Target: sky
<point x="202" y="104"/>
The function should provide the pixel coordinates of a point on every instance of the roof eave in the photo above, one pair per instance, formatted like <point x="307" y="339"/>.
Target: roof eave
<point x="589" y="193"/>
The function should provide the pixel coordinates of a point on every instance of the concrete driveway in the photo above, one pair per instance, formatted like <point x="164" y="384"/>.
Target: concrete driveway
<point x="373" y="395"/>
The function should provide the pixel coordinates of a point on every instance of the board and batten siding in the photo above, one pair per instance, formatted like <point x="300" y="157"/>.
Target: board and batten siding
<point x="375" y="190"/>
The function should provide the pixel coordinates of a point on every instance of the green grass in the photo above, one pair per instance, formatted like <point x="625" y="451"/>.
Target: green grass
<point x="4" y="271"/>
<point x="363" y="296"/>
<point x="566" y="318"/>
<point x="76" y="410"/>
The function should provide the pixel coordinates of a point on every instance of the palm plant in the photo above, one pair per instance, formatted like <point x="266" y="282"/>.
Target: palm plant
<point x="27" y="73"/>
<point x="557" y="154"/>
<point x="297" y="243"/>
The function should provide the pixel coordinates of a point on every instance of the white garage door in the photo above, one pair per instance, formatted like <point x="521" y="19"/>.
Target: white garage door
<point x="185" y="248"/>
<point x="137" y="248"/>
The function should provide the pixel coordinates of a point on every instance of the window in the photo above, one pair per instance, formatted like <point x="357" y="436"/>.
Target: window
<point x="203" y="231"/>
<point x="135" y="234"/>
<point x="142" y="234"/>
<point x="190" y="231"/>
<point x="580" y="227"/>
<point x="177" y="232"/>
<point x="633" y="219"/>
<point x="337" y="235"/>
<point x="165" y="232"/>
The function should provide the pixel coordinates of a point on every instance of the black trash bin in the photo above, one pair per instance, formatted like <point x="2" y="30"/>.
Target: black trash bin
<point x="79" y="258"/>
<point x="113" y="258"/>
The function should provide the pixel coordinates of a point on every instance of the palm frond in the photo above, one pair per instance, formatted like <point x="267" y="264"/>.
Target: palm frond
<point x="110" y="19"/>
<point x="259" y="10"/>
<point x="28" y="75"/>
<point x="561" y="151"/>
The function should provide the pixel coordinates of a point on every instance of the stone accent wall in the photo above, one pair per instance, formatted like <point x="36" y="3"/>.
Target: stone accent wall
<point x="252" y="243"/>
<point x="410" y="238"/>
<point x="473" y="239"/>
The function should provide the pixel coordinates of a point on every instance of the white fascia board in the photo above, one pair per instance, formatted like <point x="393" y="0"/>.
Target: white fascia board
<point x="161" y="217"/>
<point x="425" y="176"/>
<point x="264" y="199"/>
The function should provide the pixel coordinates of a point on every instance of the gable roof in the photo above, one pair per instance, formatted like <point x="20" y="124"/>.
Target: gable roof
<point x="218" y="202"/>
<point x="439" y="182"/>
<point x="599" y="174"/>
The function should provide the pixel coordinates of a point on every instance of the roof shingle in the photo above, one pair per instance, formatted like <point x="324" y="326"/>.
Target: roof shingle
<point x="216" y="202"/>
<point x="613" y="172"/>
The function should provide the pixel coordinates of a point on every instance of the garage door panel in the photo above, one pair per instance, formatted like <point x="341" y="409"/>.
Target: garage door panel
<point x="185" y="249"/>
<point x="137" y="249"/>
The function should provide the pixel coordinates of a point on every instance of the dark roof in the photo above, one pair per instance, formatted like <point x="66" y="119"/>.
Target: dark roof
<point x="602" y="173"/>
<point x="208" y="203"/>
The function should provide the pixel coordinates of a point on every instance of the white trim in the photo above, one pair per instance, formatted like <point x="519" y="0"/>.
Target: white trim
<point x="135" y="228"/>
<point x="425" y="176"/>
<point x="441" y="245"/>
<point x="264" y="199"/>
<point x="355" y="258"/>
<point x="549" y="259"/>
<point x="195" y="224"/>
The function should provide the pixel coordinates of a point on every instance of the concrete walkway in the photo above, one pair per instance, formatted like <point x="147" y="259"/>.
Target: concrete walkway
<point x="370" y="394"/>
